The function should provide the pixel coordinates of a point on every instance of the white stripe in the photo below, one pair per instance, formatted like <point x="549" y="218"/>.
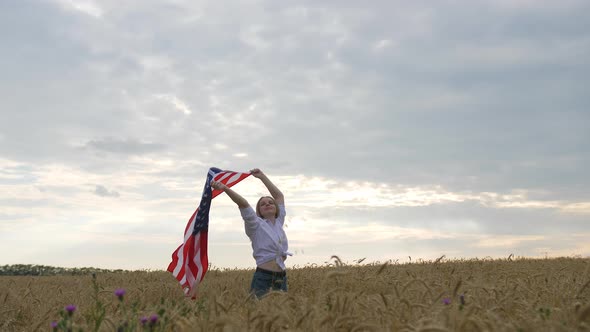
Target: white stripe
<point x="199" y="266"/>
<point x="183" y="280"/>
<point x="189" y="277"/>
<point x="190" y="229"/>
<point x="234" y="178"/>
<point x="180" y="261"/>
<point x="221" y="176"/>
<point x="181" y="250"/>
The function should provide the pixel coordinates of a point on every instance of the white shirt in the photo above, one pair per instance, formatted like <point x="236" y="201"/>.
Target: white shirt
<point x="269" y="241"/>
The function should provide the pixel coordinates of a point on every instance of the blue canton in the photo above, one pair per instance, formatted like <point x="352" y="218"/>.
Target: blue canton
<point x="202" y="217"/>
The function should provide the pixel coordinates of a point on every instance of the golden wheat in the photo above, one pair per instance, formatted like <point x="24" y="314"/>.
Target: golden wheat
<point x="512" y="294"/>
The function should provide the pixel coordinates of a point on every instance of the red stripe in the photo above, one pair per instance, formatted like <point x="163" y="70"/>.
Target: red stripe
<point x="204" y="256"/>
<point x="174" y="262"/>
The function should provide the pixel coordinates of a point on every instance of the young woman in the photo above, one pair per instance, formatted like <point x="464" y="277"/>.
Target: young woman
<point x="265" y="230"/>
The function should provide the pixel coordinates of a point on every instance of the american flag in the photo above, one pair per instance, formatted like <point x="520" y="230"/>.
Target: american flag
<point x="190" y="262"/>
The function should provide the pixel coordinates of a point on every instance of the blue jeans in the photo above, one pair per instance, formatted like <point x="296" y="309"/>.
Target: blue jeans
<point x="263" y="282"/>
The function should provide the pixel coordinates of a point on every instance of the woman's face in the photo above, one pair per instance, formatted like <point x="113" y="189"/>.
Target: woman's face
<point x="267" y="207"/>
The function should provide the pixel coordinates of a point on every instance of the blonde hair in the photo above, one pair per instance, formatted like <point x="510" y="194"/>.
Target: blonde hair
<point x="273" y="201"/>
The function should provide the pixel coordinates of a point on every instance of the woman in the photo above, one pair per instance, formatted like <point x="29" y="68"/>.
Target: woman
<point x="265" y="230"/>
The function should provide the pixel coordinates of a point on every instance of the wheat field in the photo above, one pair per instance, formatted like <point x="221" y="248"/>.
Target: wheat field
<point x="442" y="295"/>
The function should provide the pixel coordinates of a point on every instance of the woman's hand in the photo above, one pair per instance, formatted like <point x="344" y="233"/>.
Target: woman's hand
<point x="257" y="173"/>
<point x="272" y="189"/>
<point x="218" y="185"/>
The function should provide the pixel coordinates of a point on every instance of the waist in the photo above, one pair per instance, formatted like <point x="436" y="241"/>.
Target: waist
<point x="272" y="273"/>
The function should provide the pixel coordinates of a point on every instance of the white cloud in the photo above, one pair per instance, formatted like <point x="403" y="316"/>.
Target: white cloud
<point x="371" y="194"/>
<point x="88" y="7"/>
<point x="176" y="102"/>
<point x="251" y="36"/>
<point x="506" y="241"/>
<point x="577" y="208"/>
<point x="382" y="44"/>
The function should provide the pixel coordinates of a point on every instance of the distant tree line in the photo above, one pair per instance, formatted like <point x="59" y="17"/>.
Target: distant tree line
<point x="43" y="270"/>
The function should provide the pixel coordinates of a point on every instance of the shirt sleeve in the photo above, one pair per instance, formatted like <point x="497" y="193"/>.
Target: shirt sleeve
<point x="282" y="214"/>
<point x="250" y="220"/>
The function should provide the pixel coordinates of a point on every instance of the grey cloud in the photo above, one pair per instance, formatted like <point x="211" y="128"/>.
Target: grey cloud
<point x="104" y="192"/>
<point x="474" y="96"/>
<point x="386" y="112"/>
<point x="124" y="146"/>
<point x="373" y="110"/>
<point x="510" y="129"/>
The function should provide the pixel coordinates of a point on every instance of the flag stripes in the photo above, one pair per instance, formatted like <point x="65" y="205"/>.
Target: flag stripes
<point x="190" y="261"/>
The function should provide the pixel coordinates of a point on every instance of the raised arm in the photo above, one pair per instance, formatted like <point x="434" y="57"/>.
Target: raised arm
<point x="272" y="189"/>
<point x="237" y="198"/>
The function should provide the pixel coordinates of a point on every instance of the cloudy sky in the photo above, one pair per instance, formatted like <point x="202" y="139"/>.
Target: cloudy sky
<point x="394" y="128"/>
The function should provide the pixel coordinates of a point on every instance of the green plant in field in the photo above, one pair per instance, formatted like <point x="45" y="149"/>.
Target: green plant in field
<point x="96" y="316"/>
<point x="200" y="307"/>
<point x="544" y="313"/>
<point x="127" y="316"/>
<point x="65" y="323"/>
<point x="124" y="324"/>
<point x="129" y="322"/>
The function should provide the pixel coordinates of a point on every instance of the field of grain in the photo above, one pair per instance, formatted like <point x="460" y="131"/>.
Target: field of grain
<point x="442" y="295"/>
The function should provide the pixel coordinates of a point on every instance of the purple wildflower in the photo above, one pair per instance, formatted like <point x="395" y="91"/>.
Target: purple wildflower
<point x="446" y="301"/>
<point x="53" y="325"/>
<point x="70" y="308"/>
<point x="143" y="320"/>
<point x="153" y="319"/>
<point x="120" y="293"/>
